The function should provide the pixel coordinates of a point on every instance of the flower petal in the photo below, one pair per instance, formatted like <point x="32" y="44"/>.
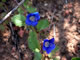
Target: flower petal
<point x="37" y="16"/>
<point x="46" y="40"/>
<point x="28" y="22"/>
<point x="29" y="15"/>
<point x="51" y="45"/>
<point x="34" y="23"/>
<point x="51" y="40"/>
<point x="50" y="48"/>
<point x="48" y="51"/>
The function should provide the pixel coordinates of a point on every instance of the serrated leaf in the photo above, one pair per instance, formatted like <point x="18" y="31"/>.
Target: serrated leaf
<point x="30" y="9"/>
<point x="33" y="43"/>
<point x="2" y="27"/>
<point x="37" y="56"/>
<point x="42" y="24"/>
<point x="18" y="20"/>
<point x="20" y="10"/>
<point x="75" y="58"/>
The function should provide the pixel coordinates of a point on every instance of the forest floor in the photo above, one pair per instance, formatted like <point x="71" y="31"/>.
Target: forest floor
<point x="66" y="18"/>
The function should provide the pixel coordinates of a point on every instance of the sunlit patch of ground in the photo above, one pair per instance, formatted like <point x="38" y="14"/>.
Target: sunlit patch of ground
<point x="69" y="34"/>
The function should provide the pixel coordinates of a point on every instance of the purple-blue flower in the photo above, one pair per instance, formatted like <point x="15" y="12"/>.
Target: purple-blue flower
<point x="48" y="45"/>
<point x="32" y="19"/>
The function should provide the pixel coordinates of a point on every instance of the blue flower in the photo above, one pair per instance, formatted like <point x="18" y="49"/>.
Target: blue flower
<point x="48" y="45"/>
<point x="32" y="19"/>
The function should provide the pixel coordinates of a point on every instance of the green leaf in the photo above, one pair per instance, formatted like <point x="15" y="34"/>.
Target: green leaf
<point x="37" y="56"/>
<point x="25" y="3"/>
<point x="1" y="4"/>
<point x="3" y="0"/>
<point x="53" y="52"/>
<point x="33" y="43"/>
<point x="2" y="27"/>
<point x="20" y="11"/>
<point x="55" y="59"/>
<point x="56" y="49"/>
<point x="42" y="24"/>
<point x="18" y="20"/>
<point x="75" y="58"/>
<point x="30" y="9"/>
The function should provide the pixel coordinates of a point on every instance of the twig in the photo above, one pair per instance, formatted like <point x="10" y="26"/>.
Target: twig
<point x="16" y="40"/>
<point x="66" y="1"/>
<point x="54" y="32"/>
<point x="11" y="11"/>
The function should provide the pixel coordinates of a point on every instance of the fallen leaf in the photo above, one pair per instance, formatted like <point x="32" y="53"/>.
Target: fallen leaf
<point x="21" y="32"/>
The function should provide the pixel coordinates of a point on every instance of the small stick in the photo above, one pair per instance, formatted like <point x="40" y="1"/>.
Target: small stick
<point x="54" y="31"/>
<point x="66" y="1"/>
<point x="11" y="11"/>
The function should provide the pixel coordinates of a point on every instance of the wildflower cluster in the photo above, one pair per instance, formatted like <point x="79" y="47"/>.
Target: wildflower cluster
<point x="32" y="20"/>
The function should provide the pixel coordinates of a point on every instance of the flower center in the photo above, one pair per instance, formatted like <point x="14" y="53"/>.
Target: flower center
<point x="32" y="18"/>
<point x="46" y="44"/>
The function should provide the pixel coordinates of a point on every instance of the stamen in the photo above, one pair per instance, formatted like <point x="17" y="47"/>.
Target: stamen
<point x="32" y="18"/>
<point x="46" y="44"/>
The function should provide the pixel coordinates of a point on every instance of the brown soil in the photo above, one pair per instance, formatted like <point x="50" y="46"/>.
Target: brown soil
<point x="67" y="31"/>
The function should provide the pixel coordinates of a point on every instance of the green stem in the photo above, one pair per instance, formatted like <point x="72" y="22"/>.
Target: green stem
<point x="42" y="56"/>
<point x="33" y="29"/>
